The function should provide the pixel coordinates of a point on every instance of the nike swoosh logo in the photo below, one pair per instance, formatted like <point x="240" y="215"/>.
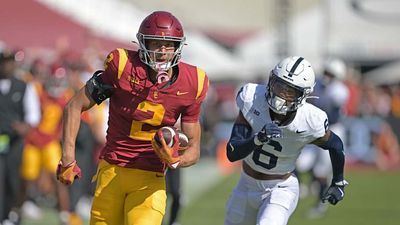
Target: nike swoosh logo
<point x="181" y="93"/>
<point x="299" y="132"/>
<point x="231" y="146"/>
<point x="341" y="192"/>
<point x="282" y="186"/>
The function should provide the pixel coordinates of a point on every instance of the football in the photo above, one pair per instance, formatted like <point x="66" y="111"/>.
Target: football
<point x="183" y="141"/>
<point x="168" y="133"/>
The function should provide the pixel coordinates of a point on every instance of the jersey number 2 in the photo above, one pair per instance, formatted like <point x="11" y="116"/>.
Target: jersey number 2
<point x="260" y="154"/>
<point x="137" y="131"/>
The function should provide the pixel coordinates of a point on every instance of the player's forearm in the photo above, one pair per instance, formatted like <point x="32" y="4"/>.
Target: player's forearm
<point x="71" y="122"/>
<point x="335" y="146"/>
<point x="241" y="143"/>
<point x="192" y="154"/>
<point x="240" y="149"/>
<point x="338" y="160"/>
<point x="190" y="157"/>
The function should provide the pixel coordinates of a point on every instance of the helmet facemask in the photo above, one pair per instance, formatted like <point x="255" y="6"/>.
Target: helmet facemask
<point x="284" y="97"/>
<point x="149" y="57"/>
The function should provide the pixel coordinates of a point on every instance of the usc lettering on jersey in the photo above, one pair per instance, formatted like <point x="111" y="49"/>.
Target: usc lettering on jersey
<point x="279" y="155"/>
<point x="138" y="108"/>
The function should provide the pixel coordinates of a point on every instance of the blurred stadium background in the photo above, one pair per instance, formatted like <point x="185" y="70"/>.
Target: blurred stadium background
<point x="236" y="42"/>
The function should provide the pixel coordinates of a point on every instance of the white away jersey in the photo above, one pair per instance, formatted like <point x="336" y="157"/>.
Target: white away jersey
<point x="280" y="154"/>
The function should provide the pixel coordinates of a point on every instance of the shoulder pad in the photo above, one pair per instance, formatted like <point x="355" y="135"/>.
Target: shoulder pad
<point x="317" y="119"/>
<point x="248" y="94"/>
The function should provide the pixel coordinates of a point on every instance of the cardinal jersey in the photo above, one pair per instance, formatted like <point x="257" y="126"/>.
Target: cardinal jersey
<point x="42" y="148"/>
<point x="279" y="155"/>
<point x="138" y="108"/>
<point x="49" y="128"/>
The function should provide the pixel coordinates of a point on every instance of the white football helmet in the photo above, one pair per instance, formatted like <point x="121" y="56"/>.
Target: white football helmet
<point x="290" y="83"/>
<point x="335" y="67"/>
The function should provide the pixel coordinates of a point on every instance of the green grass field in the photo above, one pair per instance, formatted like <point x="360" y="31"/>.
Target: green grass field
<point x="372" y="198"/>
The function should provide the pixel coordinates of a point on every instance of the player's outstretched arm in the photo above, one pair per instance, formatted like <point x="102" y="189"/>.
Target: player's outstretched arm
<point x="192" y="154"/>
<point x="334" y="145"/>
<point x="71" y="120"/>
<point x="67" y="169"/>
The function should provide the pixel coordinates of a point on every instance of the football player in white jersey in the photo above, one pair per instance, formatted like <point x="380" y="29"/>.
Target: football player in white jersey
<point x="274" y="123"/>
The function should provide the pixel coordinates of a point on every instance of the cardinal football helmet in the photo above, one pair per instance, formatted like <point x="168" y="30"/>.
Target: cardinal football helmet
<point x="57" y="82"/>
<point x="160" y="25"/>
<point x="290" y="83"/>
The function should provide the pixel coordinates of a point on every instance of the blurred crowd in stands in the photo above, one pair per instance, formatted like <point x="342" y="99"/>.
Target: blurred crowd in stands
<point x="36" y="84"/>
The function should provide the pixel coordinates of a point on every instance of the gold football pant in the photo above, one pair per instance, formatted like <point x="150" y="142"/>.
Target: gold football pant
<point x="128" y="196"/>
<point x="34" y="159"/>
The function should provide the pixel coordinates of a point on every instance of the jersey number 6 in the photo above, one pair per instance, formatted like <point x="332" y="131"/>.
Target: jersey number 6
<point x="273" y="159"/>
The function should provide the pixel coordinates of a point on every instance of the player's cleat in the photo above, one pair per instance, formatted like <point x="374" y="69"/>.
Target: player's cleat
<point x="318" y="211"/>
<point x="31" y="211"/>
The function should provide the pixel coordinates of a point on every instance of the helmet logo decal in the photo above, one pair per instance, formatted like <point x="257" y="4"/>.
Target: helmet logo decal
<point x="296" y="64"/>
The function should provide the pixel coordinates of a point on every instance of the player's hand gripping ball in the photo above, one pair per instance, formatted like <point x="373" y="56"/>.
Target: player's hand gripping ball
<point x="169" y="144"/>
<point x="183" y="142"/>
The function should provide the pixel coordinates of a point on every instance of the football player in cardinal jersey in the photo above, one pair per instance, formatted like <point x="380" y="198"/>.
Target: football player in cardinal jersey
<point x="274" y="123"/>
<point x="147" y="89"/>
<point x="42" y="144"/>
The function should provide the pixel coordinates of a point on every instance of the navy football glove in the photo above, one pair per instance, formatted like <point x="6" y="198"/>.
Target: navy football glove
<point x="270" y="130"/>
<point x="335" y="192"/>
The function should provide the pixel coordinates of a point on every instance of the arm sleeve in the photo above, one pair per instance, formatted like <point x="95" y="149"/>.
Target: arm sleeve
<point x="336" y="152"/>
<point x="241" y="142"/>
<point x="31" y="105"/>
